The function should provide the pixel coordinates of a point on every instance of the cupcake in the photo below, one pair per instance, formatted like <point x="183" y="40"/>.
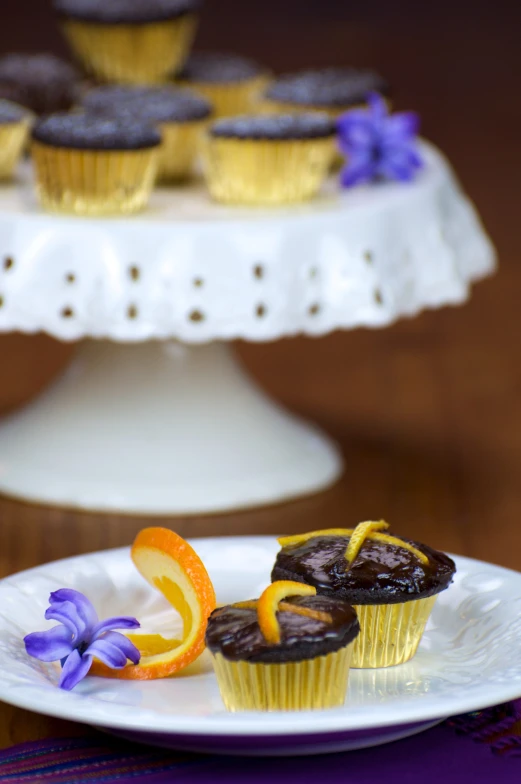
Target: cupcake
<point x="180" y="115"/>
<point x="391" y="581"/>
<point x="331" y="90"/>
<point x="130" y="41"/>
<point x="92" y="165"/>
<point x="290" y="650"/>
<point x="41" y="82"/>
<point x="270" y="159"/>
<point x="231" y="83"/>
<point x="15" y="122"/>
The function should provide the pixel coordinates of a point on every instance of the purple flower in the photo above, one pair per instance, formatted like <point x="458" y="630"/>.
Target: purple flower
<point x="378" y="145"/>
<point x="79" y="637"/>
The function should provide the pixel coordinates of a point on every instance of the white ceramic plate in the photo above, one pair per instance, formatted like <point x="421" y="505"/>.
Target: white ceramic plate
<point x="470" y="658"/>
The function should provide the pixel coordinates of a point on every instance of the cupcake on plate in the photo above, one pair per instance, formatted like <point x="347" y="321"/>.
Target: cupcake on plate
<point x="180" y="115"/>
<point x="288" y="650"/>
<point x="331" y="90"/>
<point x="15" y="122"/>
<point x="392" y="582"/>
<point x="268" y="159"/>
<point x="42" y="83"/>
<point x="92" y="165"/>
<point x="132" y="41"/>
<point x="231" y="83"/>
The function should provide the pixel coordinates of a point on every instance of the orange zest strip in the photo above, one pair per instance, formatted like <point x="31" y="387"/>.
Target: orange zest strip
<point x="372" y="531"/>
<point x="399" y="543"/>
<point x="173" y="567"/>
<point x="289" y="541"/>
<point x="306" y="612"/>
<point x="268" y="605"/>
<point x="362" y="532"/>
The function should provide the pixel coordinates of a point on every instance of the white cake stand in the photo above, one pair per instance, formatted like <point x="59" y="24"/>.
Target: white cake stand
<point x="154" y="415"/>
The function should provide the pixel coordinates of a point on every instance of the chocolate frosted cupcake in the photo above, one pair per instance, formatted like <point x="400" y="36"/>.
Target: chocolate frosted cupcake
<point x="232" y="84"/>
<point x="41" y="82"/>
<point x="132" y="41"/>
<point x="288" y="650"/>
<point x="268" y="159"/>
<point x="92" y="165"/>
<point x="15" y="122"/>
<point x="180" y="115"/>
<point x="332" y="90"/>
<point x="392" y="582"/>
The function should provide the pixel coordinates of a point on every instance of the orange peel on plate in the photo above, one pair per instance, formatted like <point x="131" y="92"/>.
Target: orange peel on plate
<point x="171" y="566"/>
<point x="268" y="604"/>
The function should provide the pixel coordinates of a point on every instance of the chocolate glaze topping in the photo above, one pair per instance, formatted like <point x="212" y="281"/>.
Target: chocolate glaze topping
<point x="90" y="132"/>
<point x="155" y="104"/>
<point x="328" y="88"/>
<point x="216" y="68"/>
<point x="380" y="574"/>
<point x="275" y="126"/>
<point x="125" y="11"/>
<point x="11" y="113"/>
<point x="41" y="82"/>
<point x="235" y="632"/>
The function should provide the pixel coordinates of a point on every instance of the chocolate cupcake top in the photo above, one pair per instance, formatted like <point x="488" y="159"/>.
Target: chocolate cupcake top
<point x="234" y="631"/>
<point x="41" y="82"/>
<point x="275" y="126"/>
<point x="328" y="88"/>
<point x="125" y="11"/>
<point x="11" y="113"/>
<point x="155" y="104"/>
<point x="382" y="572"/>
<point x="216" y="68"/>
<point x="90" y="132"/>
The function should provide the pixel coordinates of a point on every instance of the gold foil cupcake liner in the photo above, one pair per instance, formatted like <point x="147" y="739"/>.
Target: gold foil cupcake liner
<point x="312" y="684"/>
<point x="132" y="54"/>
<point x="13" y="139"/>
<point x="276" y="107"/>
<point x="94" y="182"/>
<point x="265" y="172"/>
<point x="180" y="147"/>
<point x="390" y="633"/>
<point x="227" y="100"/>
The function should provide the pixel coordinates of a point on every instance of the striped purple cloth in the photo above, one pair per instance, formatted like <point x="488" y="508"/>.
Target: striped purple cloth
<point x="482" y="747"/>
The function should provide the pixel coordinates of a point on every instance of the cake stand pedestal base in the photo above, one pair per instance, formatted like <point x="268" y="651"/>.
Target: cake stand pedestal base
<point x="160" y="428"/>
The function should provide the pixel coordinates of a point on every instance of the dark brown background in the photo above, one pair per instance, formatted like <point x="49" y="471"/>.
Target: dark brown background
<point x="428" y="411"/>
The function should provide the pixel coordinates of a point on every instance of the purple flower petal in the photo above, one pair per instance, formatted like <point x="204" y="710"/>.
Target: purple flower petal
<point x="66" y="614"/>
<point x="359" y="169"/>
<point x="400" y="164"/>
<point x="378" y="109"/>
<point x="401" y="127"/>
<point x="84" y="608"/>
<point x="122" y="642"/>
<point x="74" y="670"/>
<point x="123" y="622"/>
<point x="355" y="130"/>
<point x="113" y="650"/>
<point x="52" y="645"/>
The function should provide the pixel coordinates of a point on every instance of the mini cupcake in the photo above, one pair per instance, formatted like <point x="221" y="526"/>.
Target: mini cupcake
<point x="41" y="82"/>
<point x="290" y="650"/>
<point x="231" y="83"/>
<point x="130" y="41"/>
<point x="92" y="165"/>
<point x="392" y="582"/>
<point x="275" y="159"/>
<point x="180" y="115"/>
<point x="331" y="90"/>
<point x="15" y="122"/>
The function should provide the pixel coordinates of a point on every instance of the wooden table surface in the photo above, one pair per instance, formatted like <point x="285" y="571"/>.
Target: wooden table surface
<point x="428" y="411"/>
